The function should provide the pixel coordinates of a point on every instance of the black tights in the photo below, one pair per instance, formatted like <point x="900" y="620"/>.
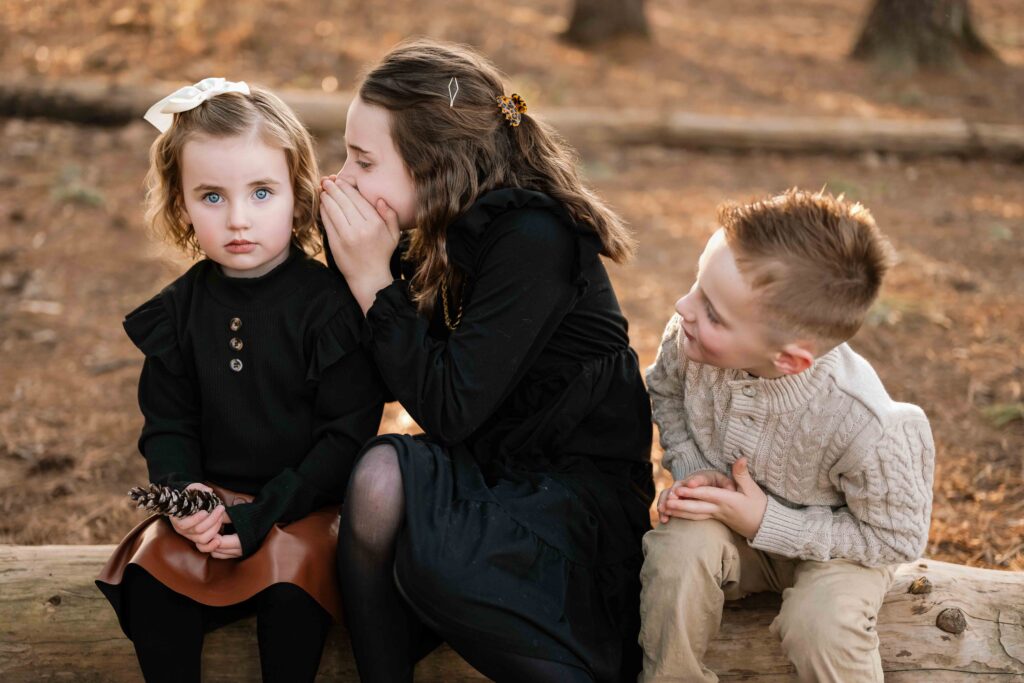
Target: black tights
<point x="167" y="630"/>
<point x="387" y="636"/>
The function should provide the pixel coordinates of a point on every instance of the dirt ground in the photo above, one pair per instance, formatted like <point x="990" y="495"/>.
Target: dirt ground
<point x="946" y="334"/>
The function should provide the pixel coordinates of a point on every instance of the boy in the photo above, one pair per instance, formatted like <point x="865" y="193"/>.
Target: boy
<point x="831" y="482"/>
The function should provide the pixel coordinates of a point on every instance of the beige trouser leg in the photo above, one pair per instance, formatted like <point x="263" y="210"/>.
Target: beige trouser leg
<point x="690" y="568"/>
<point x="827" y="621"/>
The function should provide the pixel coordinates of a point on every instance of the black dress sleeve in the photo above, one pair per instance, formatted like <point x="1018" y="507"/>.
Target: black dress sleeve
<point x="521" y="289"/>
<point x="348" y="406"/>
<point x="168" y="398"/>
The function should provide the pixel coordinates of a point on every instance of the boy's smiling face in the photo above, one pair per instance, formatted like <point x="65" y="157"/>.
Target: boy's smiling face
<point x="721" y="319"/>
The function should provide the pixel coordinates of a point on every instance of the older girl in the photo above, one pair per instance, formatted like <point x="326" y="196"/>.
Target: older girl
<point x="512" y="528"/>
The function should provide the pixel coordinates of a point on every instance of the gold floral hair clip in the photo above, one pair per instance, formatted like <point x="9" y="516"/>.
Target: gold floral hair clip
<point x="512" y="107"/>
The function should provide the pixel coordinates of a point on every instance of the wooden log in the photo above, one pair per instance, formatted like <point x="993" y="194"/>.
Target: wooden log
<point x="56" y="626"/>
<point x="112" y="104"/>
<point x="324" y="113"/>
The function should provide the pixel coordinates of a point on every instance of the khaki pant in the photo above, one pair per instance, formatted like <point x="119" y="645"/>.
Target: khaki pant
<point x="826" y="624"/>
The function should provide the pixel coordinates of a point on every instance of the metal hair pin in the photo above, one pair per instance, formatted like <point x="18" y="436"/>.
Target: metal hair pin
<point x="453" y="90"/>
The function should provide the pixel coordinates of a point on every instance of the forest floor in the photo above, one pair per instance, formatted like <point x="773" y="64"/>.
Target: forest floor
<point x="946" y="333"/>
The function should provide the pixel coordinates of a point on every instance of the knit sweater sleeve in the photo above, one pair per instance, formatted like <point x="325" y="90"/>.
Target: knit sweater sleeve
<point x="886" y="478"/>
<point x="664" y="383"/>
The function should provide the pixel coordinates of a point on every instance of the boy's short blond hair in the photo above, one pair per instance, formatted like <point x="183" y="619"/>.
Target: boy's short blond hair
<point x="228" y="115"/>
<point x="814" y="261"/>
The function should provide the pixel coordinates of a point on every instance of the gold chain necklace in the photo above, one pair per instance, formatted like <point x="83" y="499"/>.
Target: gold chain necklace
<point x="448" y="322"/>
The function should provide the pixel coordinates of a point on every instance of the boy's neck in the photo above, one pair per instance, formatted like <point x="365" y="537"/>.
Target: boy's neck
<point x="764" y="373"/>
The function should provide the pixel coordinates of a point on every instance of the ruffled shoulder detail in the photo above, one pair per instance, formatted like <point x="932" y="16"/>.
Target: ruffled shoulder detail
<point x="151" y="329"/>
<point x="469" y="236"/>
<point x="338" y="337"/>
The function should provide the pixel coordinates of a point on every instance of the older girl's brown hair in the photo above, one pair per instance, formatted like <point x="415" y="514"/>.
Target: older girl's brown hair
<point x="227" y="115"/>
<point x="815" y="262"/>
<point x="457" y="151"/>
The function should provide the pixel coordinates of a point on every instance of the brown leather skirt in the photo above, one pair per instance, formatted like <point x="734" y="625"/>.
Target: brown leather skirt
<point x="302" y="553"/>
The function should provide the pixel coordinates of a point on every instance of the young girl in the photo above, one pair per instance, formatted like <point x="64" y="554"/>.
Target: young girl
<point x="254" y="384"/>
<point x="511" y="529"/>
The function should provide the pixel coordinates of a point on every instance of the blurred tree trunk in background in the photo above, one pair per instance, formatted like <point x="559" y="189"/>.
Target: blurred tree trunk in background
<point x="594" y="21"/>
<point x="906" y="34"/>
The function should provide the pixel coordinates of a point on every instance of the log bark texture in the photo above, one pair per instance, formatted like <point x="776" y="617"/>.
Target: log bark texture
<point x="903" y="35"/>
<point x="97" y="103"/>
<point x="56" y="626"/>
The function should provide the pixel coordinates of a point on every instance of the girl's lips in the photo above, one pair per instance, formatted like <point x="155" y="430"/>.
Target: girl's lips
<point x="240" y="246"/>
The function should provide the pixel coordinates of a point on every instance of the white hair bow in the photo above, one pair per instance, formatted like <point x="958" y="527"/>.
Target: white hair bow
<point x="162" y="113"/>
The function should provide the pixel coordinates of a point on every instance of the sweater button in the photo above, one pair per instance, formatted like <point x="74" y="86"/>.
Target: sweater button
<point x="737" y="453"/>
<point x="747" y="420"/>
<point x="235" y="324"/>
<point x="749" y="391"/>
<point x="236" y="343"/>
<point x="236" y="365"/>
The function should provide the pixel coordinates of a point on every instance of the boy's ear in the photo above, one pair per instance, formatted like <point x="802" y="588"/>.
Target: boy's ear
<point x="794" y="358"/>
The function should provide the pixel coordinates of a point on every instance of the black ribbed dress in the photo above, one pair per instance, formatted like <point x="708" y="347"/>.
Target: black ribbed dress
<point x="528" y="495"/>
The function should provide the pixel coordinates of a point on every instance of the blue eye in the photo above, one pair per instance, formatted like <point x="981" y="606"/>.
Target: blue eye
<point x="261" y="193"/>
<point x="212" y="198"/>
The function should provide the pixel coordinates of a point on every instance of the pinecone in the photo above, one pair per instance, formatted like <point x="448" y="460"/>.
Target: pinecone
<point x="165" y="500"/>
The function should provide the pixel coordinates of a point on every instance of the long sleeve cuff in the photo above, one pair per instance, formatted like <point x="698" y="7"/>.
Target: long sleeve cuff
<point x="782" y="530"/>
<point x="388" y="301"/>
<point x="685" y="463"/>
<point x="170" y="463"/>
<point x="283" y="498"/>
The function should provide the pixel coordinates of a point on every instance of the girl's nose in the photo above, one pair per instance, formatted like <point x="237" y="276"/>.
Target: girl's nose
<point x="238" y="217"/>
<point x="346" y="173"/>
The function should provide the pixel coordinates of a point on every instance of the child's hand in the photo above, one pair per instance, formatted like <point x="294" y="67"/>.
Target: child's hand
<point x="362" y="238"/>
<point x="201" y="527"/>
<point x="228" y="547"/>
<point x="702" y="478"/>
<point x="741" y="510"/>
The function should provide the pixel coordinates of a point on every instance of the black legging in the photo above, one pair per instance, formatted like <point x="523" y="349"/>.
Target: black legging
<point x="167" y="630"/>
<point x="387" y="636"/>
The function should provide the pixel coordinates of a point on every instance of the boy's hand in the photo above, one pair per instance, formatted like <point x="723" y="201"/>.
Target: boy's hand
<point x="702" y="478"/>
<point x="741" y="510"/>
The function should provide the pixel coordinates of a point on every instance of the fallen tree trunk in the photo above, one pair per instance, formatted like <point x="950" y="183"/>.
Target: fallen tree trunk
<point x="55" y="625"/>
<point x="100" y="104"/>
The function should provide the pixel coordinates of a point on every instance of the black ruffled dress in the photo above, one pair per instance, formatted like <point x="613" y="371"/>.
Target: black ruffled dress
<point x="261" y="388"/>
<point x="528" y="496"/>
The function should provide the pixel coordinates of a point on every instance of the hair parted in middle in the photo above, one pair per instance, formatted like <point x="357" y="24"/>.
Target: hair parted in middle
<point x="228" y="115"/>
<point x="815" y="262"/>
<point x="456" y="151"/>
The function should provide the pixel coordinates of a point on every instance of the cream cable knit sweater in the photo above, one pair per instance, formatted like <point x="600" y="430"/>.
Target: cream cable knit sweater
<point x="847" y="470"/>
